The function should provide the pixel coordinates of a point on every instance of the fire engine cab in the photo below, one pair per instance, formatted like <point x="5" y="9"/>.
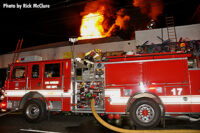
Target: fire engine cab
<point x="144" y="87"/>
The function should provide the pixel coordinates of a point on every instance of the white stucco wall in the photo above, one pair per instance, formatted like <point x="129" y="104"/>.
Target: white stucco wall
<point x="57" y="53"/>
<point x="191" y="32"/>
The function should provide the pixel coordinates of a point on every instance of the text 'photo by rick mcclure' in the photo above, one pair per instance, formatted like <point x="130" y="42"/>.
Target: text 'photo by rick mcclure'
<point x="26" y="5"/>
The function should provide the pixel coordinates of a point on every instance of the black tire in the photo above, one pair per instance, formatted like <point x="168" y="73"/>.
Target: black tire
<point x="145" y="113"/>
<point x="35" y="110"/>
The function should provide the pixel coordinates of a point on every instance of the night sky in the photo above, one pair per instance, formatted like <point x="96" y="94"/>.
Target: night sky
<point x="63" y="19"/>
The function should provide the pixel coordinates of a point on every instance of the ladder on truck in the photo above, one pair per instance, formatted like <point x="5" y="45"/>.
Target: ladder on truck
<point x="17" y="50"/>
<point x="171" y="31"/>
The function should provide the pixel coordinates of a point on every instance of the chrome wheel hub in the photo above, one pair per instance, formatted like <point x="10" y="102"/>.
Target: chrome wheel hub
<point x="32" y="111"/>
<point x="145" y="113"/>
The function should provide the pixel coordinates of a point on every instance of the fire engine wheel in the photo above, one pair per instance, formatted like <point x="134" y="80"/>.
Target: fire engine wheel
<point x="145" y="113"/>
<point x="35" y="110"/>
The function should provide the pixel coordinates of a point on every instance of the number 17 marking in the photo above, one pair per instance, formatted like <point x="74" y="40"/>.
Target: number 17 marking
<point x="177" y="91"/>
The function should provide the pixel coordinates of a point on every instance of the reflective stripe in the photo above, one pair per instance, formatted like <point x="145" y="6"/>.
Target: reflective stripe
<point x="112" y="92"/>
<point x="119" y="101"/>
<point x="183" y="99"/>
<point x="116" y="99"/>
<point x="151" y="60"/>
<point x="45" y="93"/>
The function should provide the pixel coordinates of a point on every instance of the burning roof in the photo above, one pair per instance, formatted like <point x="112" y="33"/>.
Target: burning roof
<point x="102" y="19"/>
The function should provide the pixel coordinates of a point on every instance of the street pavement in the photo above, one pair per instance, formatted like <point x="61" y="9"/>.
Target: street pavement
<point x="62" y="123"/>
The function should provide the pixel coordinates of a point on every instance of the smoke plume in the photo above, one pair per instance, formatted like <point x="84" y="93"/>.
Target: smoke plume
<point x="122" y="19"/>
<point x="152" y="8"/>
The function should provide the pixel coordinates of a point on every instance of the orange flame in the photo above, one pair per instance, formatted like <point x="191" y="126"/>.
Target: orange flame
<point x="96" y="24"/>
<point x="92" y="27"/>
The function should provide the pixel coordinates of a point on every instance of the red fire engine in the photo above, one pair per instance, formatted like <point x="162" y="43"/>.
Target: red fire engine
<point x="146" y="87"/>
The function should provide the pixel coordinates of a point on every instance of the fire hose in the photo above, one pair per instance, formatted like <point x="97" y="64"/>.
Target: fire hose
<point x="121" y="130"/>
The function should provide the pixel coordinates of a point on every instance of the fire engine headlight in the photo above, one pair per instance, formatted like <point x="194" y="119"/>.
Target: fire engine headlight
<point x="2" y="97"/>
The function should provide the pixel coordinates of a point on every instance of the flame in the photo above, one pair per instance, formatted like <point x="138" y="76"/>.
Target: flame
<point x="97" y="21"/>
<point x="92" y="27"/>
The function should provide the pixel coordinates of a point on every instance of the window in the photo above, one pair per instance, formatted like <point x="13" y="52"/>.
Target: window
<point x="18" y="72"/>
<point x="52" y="70"/>
<point x="35" y="71"/>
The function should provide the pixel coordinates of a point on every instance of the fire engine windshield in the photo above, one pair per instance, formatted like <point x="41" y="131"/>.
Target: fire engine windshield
<point x="52" y="70"/>
<point x="18" y="72"/>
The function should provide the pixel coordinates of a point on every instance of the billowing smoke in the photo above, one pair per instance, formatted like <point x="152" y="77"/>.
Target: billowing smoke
<point x="121" y="22"/>
<point x="152" y="8"/>
<point x="122" y="19"/>
<point x="103" y="5"/>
